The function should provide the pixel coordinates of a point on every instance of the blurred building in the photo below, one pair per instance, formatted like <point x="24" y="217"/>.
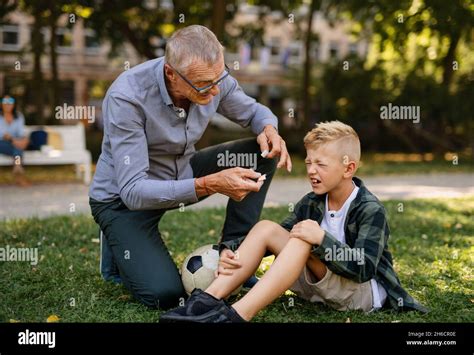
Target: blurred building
<point x="82" y="59"/>
<point x="260" y="66"/>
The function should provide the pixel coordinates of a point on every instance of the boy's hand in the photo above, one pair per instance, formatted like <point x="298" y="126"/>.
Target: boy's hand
<point x="227" y="262"/>
<point x="309" y="231"/>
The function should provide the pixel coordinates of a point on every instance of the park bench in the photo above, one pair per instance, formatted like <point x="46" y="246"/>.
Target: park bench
<point x="73" y="150"/>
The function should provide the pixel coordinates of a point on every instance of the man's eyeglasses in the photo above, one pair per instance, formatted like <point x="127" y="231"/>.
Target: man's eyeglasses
<point x="8" y="100"/>
<point x="204" y="88"/>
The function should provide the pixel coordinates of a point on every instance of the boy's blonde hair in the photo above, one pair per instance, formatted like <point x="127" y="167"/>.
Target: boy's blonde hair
<point x="348" y="143"/>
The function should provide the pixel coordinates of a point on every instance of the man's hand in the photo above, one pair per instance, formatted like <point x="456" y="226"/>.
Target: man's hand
<point x="308" y="230"/>
<point x="235" y="183"/>
<point x="7" y="137"/>
<point x="270" y="139"/>
<point x="228" y="261"/>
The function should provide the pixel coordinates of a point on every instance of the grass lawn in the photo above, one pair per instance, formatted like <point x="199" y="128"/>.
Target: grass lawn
<point x="432" y="243"/>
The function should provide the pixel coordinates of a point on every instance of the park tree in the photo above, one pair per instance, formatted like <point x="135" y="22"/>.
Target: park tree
<point x="419" y="55"/>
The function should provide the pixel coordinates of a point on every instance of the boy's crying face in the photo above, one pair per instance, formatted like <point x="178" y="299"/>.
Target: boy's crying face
<point x="325" y="167"/>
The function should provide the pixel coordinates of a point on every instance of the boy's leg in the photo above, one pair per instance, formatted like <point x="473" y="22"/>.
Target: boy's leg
<point x="292" y="256"/>
<point x="281" y="275"/>
<point x="265" y="235"/>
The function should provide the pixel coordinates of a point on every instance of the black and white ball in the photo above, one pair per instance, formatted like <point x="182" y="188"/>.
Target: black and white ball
<point x="199" y="267"/>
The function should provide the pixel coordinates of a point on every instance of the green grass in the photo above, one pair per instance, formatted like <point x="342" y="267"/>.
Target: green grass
<point x="432" y="244"/>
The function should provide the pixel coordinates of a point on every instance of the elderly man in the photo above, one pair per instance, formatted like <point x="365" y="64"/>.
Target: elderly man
<point x="153" y="116"/>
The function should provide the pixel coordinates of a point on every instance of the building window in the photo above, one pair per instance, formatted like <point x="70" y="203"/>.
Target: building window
<point x="353" y="49"/>
<point x="92" y="42"/>
<point x="64" y="40"/>
<point x="10" y="37"/>
<point x="333" y="50"/>
<point x="274" y="44"/>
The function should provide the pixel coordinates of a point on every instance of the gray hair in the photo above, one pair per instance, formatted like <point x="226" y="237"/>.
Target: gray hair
<point x="190" y="44"/>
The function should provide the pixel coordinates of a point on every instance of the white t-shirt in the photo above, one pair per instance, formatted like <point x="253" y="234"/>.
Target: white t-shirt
<point x="333" y="222"/>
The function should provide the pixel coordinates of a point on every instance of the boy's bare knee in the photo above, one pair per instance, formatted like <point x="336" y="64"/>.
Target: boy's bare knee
<point x="264" y="223"/>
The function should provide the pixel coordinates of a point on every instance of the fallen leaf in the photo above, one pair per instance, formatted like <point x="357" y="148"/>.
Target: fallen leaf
<point x="52" y="319"/>
<point x="124" y="297"/>
<point x="348" y="320"/>
<point x="95" y="240"/>
<point x="83" y="250"/>
<point x="14" y="320"/>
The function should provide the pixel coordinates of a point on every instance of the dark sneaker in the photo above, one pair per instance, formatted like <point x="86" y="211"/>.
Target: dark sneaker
<point x="220" y="314"/>
<point x="197" y="304"/>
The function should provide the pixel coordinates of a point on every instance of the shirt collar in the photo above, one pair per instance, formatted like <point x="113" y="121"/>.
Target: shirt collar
<point x="363" y="195"/>
<point x="160" y="78"/>
<point x="346" y="204"/>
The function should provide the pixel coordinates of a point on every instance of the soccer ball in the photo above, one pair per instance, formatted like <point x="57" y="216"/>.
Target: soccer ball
<point x="199" y="267"/>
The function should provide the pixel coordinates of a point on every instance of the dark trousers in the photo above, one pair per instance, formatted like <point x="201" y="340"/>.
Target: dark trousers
<point x="138" y="251"/>
<point x="8" y="148"/>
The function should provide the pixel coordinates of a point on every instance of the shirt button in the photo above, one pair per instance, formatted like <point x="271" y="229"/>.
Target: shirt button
<point x="332" y="214"/>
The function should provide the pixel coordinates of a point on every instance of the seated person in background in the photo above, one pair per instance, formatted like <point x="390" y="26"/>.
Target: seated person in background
<point x="332" y="249"/>
<point x="12" y="137"/>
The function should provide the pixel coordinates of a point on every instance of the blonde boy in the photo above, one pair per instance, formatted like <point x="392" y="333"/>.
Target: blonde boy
<point x="331" y="249"/>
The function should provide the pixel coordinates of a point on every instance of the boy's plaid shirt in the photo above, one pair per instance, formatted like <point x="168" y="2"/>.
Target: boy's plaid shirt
<point x="366" y="229"/>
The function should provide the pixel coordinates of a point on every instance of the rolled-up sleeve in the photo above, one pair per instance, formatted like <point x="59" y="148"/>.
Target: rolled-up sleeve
<point x="244" y="110"/>
<point x="126" y="129"/>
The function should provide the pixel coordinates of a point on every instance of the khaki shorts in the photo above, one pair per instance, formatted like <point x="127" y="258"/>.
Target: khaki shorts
<point x="336" y="291"/>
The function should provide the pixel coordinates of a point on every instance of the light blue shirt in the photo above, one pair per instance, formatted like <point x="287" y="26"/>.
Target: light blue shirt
<point x="16" y="128"/>
<point x="147" y="146"/>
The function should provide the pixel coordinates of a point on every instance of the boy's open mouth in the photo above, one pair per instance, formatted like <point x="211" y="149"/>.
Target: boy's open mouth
<point x="315" y="181"/>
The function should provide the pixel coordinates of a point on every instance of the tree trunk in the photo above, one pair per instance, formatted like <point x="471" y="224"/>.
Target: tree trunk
<point x="218" y="18"/>
<point x="449" y="59"/>
<point x="55" y="90"/>
<point x="38" y="82"/>
<point x="306" y="99"/>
